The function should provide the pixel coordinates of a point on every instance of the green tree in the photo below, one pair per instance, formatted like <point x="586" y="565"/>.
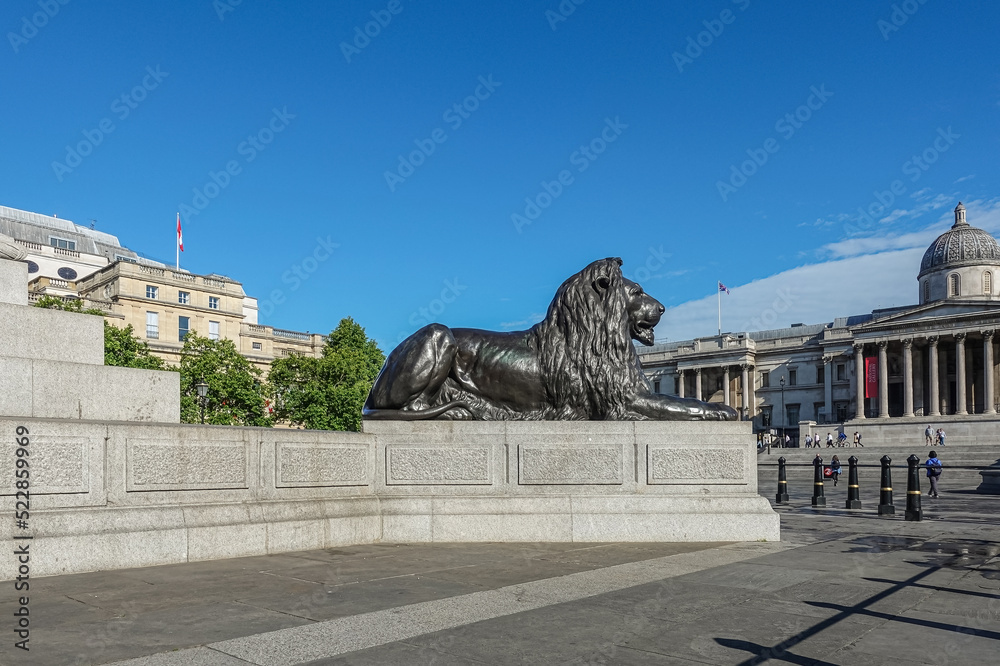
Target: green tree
<point x="327" y="393"/>
<point x="123" y="348"/>
<point x="236" y="395"/>
<point x="72" y="305"/>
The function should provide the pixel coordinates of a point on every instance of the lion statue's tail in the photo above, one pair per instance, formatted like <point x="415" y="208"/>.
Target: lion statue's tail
<point x="413" y="414"/>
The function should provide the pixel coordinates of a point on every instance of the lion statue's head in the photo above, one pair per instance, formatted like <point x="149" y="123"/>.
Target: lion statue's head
<point x="589" y="364"/>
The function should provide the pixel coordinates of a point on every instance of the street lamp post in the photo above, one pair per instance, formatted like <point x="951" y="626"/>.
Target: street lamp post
<point x="781" y="382"/>
<point x="202" y="389"/>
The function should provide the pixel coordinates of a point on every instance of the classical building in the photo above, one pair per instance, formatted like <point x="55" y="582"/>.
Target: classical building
<point x="68" y="261"/>
<point x="933" y="359"/>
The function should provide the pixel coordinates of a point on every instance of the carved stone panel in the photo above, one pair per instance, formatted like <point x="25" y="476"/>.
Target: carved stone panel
<point x="173" y="465"/>
<point x="60" y="464"/>
<point x="458" y="465"/>
<point x="589" y="465"/>
<point x="696" y="466"/>
<point x="309" y="464"/>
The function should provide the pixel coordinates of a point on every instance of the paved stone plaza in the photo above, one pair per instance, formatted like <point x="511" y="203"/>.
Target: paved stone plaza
<point x="841" y="588"/>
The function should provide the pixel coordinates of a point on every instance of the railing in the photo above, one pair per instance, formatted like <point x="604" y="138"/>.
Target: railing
<point x="58" y="283"/>
<point x="210" y="282"/>
<point x="28" y="244"/>
<point x="151" y="270"/>
<point x="186" y="277"/>
<point x="257" y="328"/>
<point x="153" y="333"/>
<point x="68" y="253"/>
<point x="293" y="335"/>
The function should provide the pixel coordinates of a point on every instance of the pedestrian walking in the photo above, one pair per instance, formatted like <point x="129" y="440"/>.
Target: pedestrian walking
<point x="857" y="439"/>
<point x="933" y="472"/>
<point x="940" y="436"/>
<point x="835" y="469"/>
<point x="829" y="440"/>
<point x="788" y="441"/>
<point x="809" y="441"/>
<point x="928" y="436"/>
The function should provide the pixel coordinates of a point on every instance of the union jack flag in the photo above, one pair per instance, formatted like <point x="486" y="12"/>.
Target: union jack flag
<point x="723" y="287"/>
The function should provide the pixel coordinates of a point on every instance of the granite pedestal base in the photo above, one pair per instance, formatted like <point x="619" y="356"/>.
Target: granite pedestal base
<point x="110" y="495"/>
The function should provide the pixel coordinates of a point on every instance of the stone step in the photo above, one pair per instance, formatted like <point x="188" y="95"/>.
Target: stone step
<point x="60" y="390"/>
<point x="51" y="335"/>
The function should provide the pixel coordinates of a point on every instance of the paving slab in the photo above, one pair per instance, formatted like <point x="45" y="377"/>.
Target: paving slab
<point x="843" y="587"/>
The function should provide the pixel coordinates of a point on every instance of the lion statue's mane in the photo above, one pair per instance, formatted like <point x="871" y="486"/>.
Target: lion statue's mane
<point x="589" y="365"/>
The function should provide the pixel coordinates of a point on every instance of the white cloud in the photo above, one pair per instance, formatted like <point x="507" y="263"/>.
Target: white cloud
<point x="965" y="178"/>
<point x="863" y="274"/>
<point x="528" y="322"/>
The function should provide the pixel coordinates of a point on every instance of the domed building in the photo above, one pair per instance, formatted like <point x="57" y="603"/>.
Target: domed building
<point x="962" y="263"/>
<point x="933" y="362"/>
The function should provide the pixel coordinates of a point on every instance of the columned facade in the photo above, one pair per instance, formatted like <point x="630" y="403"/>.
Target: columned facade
<point x="935" y="382"/>
<point x="960" y="399"/>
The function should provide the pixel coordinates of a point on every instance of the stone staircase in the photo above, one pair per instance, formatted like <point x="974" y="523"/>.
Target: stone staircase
<point x="52" y="365"/>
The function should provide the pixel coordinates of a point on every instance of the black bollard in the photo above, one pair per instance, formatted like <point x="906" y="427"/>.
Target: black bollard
<point x="818" y="498"/>
<point x="885" y="507"/>
<point x="853" y="490"/>
<point x="782" y="496"/>
<point x="913" y="511"/>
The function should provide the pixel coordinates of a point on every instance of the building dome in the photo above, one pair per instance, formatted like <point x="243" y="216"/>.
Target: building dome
<point x="962" y="245"/>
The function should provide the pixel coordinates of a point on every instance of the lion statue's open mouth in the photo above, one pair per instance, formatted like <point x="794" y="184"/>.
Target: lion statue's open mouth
<point x="578" y="363"/>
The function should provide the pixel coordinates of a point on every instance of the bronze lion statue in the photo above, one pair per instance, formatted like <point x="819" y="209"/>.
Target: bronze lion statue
<point x="577" y="364"/>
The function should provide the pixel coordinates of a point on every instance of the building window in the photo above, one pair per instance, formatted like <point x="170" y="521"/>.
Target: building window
<point x="987" y="283"/>
<point x="184" y="297"/>
<point x="213" y="302"/>
<point x="183" y="326"/>
<point x="765" y="416"/>
<point x="820" y="373"/>
<point x="927" y="290"/>
<point x="62" y="243"/>
<point x="656" y="387"/>
<point x="954" y="285"/>
<point x="792" y="412"/>
<point x="213" y="330"/>
<point x="765" y="379"/>
<point x="152" y="292"/>
<point x="841" y="409"/>
<point x="152" y="325"/>
<point x="841" y="372"/>
<point x="793" y="377"/>
<point x="258" y="346"/>
<point x="819" y="410"/>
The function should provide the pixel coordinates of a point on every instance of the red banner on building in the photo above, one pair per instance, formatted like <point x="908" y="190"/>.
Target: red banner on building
<point x="871" y="377"/>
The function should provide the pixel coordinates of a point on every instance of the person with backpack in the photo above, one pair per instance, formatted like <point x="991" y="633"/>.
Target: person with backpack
<point x="933" y="472"/>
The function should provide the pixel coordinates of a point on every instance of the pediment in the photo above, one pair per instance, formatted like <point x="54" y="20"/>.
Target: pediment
<point x="951" y="313"/>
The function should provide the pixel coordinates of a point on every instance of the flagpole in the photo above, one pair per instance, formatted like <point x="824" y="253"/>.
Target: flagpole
<point x="718" y="293"/>
<point x="177" y="242"/>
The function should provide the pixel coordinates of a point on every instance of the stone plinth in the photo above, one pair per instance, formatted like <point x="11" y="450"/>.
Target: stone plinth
<point x="109" y="495"/>
<point x="991" y="482"/>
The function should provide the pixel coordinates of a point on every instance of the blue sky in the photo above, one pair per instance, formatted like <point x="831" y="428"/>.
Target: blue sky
<point x="331" y="172"/>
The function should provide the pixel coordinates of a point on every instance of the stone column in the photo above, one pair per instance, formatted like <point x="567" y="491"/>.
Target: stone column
<point x="725" y="385"/>
<point x="680" y="384"/>
<point x="697" y="384"/>
<point x="988" y="407"/>
<point x="908" y="377"/>
<point x="828" y="387"/>
<point x="859" y="373"/>
<point x="883" y="380"/>
<point x="960" y="374"/>
<point x="934" y="408"/>
<point x="744" y="382"/>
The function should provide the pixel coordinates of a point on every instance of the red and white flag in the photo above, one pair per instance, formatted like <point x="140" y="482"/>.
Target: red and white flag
<point x="180" y="239"/>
